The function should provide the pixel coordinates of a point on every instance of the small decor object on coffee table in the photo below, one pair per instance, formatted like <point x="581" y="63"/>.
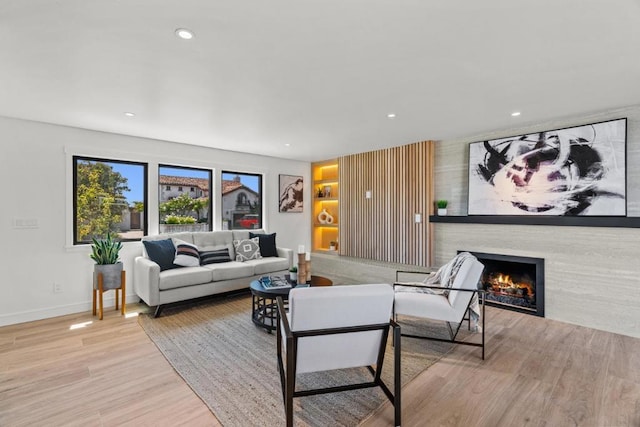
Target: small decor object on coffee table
<point x="293" y="274"/>
<point x="302" y="268"/>
<point x="274" y="282"/>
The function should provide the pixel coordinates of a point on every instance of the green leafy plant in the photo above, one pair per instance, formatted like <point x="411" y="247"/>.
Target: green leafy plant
<point x="442" y="204"/>
<point x="105" y="251"/>
<point x="293" y="269"/>
<point x="175" y="219"/>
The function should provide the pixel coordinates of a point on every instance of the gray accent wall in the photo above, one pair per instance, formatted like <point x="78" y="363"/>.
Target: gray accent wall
<point x="592" y="273"/>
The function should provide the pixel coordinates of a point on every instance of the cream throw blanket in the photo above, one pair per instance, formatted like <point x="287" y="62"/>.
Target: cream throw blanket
<point x="445" y="277"/>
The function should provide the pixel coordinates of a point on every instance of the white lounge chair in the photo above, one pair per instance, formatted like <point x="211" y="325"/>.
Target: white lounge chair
<point x="336" y="327"/>
<point x="451" y="306"/>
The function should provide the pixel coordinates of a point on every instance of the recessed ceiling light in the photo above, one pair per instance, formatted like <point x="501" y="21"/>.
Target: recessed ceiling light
<point x="391" y="115"/>
<point x="287" y="145"/>
<point x="129" y="114"/>
<point x="185" y="34"/>
<point x="515" y="114"/>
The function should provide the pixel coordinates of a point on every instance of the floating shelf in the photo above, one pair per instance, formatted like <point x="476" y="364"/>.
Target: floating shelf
<point x="325" y="176"/>
<point x="571" y="221"/>
<point x="325" y="181"/>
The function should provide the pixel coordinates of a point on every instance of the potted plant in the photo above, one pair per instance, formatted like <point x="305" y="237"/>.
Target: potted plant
<point x="293" y="274"/>
<point x="105" y="252"/>
<point x="442" y="207"/>
<point x="333" y="245"/>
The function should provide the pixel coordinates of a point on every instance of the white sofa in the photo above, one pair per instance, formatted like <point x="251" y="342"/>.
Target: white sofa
<point x="157" y="288"/>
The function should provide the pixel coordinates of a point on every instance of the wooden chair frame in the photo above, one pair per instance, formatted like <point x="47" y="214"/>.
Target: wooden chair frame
<point x="288" y="375"/>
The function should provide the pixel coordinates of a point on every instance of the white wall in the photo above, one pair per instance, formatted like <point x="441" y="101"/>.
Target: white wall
<point x="36" y="173"/>
<point x="592" y="274"/>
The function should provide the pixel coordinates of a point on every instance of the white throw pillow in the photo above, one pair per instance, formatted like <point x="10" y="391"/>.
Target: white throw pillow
<point x="187" y="254"/>
<point x="247" y="249"/>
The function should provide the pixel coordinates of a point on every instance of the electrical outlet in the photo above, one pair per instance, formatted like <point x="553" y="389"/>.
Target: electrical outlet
<point x="57" y="288"/>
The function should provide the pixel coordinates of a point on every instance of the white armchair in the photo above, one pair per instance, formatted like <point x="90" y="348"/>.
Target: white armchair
<point x="445" y="303"/>
<point x="336" y="327"/>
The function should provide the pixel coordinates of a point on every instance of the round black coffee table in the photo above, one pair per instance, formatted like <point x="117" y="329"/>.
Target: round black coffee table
<point x="264" y="307"/>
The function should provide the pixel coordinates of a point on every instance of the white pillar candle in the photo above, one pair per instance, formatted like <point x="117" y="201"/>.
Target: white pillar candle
<point x="307" y="256"/>
<point x="300" y="249"/>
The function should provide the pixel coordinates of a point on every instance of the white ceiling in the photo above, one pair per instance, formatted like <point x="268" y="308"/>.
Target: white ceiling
<point x="320" y="75"/>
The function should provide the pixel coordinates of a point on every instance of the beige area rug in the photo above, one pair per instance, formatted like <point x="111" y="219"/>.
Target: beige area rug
<point x="231" y="364"/>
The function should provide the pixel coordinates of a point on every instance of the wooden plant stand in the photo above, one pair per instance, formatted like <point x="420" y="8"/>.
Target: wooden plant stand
<point x="97" y="294"/>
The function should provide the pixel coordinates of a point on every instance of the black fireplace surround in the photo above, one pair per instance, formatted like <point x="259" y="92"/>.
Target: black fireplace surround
<point x="513" y="282"/>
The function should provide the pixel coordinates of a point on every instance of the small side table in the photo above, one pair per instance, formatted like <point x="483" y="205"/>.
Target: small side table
<point x="97" y="294"/>
<point x="264" y="306"/>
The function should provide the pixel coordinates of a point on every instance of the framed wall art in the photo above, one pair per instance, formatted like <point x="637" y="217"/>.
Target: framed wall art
<point x="576" y="171"/>
<point x="291" y="191"/>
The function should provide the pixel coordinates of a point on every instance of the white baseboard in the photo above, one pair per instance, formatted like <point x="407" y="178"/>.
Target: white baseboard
<point x="47" y="313"/>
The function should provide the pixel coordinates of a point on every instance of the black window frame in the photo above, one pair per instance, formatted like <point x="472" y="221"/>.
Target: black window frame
<point x="145" y="215"/>
<point x="209" y="171"/>
<point x="260" y="197"/>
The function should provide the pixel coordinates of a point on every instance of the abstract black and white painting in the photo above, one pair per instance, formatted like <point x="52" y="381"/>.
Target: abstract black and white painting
<point x="573" y="171"/>
<point x="291" y="189"/>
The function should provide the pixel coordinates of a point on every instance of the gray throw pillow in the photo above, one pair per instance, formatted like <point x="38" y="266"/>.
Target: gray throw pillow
<point x="247" y="249"/>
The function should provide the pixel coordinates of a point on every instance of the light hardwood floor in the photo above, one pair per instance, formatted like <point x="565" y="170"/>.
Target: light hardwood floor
<point x="537" y="372"/>
<point x="108" y="373"/>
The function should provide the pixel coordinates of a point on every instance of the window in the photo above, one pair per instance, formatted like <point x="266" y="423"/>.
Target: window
<point x="168" y="188"/>
<point x="109" y="196"/>
<point x="192" y="189"/>
<point x="180" y="211"/>
<point x="241" y="200"/>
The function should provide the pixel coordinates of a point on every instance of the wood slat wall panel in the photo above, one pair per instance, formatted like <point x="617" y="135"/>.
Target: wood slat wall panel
<point x="383" y="228"/>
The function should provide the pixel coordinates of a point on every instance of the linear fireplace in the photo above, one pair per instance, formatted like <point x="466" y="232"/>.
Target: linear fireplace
<point x="513" y="282"/>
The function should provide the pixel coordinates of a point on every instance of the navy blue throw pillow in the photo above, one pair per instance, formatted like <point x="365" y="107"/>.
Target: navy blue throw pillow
<point x="162" y="252"/>
<point x="267" y="243"/>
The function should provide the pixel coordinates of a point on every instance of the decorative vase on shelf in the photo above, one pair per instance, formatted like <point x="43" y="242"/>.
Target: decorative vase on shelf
<point x="325" y="217"/>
